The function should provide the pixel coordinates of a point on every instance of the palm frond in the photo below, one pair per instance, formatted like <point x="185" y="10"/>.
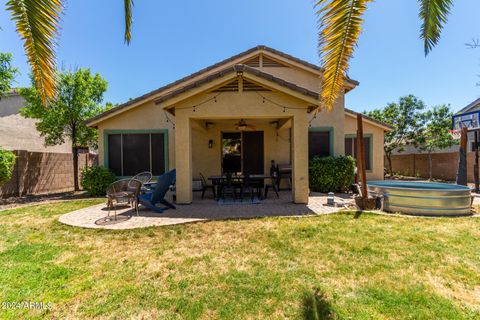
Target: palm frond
<point x="340" y="24"/>
<point x="37" y="23"/>
<point x="434" y="14"/>
<point x="128" y="20"/>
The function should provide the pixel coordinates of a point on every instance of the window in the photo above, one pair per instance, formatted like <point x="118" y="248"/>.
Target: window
<point x="319" y="143"/>
<point x="132" y="153"/>
<point x="351" y="149"/>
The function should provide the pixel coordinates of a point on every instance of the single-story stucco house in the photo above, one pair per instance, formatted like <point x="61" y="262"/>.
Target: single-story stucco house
<point x="239" y="114"/>
<point x="19" y="133"/>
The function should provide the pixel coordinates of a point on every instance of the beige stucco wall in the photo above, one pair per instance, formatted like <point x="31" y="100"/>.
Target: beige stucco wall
<point x="300" y="77"/>
<point x="377" y="153"/>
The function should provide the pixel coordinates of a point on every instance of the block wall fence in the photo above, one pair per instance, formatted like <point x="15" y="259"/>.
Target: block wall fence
<point x="43" y="173"/>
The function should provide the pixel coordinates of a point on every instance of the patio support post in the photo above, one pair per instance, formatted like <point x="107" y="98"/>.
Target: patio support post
<point x="361" y="164"/>
<point x="183" y="158"/>
<point x="300" y="188"/>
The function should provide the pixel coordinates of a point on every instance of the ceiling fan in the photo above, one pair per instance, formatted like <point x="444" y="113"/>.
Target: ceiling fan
<point x="242" y="126"/>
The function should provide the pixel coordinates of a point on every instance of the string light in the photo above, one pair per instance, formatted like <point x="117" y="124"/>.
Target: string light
<point x="277" y="104"/>
<point x="313" y="118"/>
<point x="168" y="119"/>
<point x="214" y="99"/>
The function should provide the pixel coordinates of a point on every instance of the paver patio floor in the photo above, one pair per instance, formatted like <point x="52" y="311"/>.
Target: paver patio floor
<point x="203" y="210"/>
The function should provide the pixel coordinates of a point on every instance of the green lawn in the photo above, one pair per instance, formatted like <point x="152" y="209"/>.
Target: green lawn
<point x="362" y="267"/>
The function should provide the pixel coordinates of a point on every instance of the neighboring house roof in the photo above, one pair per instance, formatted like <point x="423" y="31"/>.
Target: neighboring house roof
<point x="260" y="49"/>
<point x="352" y="113"/>
<point x="475" y="105"/>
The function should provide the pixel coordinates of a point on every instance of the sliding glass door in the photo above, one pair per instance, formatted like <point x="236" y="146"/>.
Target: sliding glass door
<point x="243" y="152"/>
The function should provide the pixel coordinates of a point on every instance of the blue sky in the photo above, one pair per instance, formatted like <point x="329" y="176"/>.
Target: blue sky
<point x="172" y="39"/>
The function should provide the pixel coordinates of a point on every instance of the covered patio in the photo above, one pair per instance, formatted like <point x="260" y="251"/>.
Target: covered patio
<point x="203" y="210"/>
<point x="240" y="100"/>
<point x="245" y="148"/>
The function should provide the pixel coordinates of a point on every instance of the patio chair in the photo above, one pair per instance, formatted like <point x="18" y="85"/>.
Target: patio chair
<point x="206" y="186"/>
<point x="150" y="200"/>
<point x="274" y="183"/>
<point x="248" y="188"/>
<point x="284" y="172"/>
<point x="143" y="177"/>
<point x="121" y="191"/>
<point x="228" y="188"/>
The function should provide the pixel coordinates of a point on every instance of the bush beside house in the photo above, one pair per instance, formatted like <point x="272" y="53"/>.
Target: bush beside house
<point x="331" y="174"/>
<point x="95" y="180"/>
<point x="7" y="163"/>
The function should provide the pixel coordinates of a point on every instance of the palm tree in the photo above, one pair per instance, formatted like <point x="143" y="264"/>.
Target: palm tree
<point x="38" y="24"/>
<point x="339" y="21"/>
<point x="340" y="24"/>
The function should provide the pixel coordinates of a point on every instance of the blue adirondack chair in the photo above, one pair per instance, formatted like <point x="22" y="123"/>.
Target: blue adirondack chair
<point x="151" y="200"/>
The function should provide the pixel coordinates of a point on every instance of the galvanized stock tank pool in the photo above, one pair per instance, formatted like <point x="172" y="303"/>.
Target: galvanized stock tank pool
<point x="423" y="198"/>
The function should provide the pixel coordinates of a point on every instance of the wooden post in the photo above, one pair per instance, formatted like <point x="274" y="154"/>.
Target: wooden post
<point x="462" y="160"/>
<point x="475" y="166"/>
<point x="361" y="156"/>
<point x="357" y="157"/>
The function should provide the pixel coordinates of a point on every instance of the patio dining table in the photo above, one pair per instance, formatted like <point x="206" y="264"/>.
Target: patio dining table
<point x="219" y="179"/>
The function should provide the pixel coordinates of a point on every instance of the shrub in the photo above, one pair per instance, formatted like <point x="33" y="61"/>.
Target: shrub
<point x="331" y="174"/>
<point x="7" y="162"/>
<point x="95" y="180"/>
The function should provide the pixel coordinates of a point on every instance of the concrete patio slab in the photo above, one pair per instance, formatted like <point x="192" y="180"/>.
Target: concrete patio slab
<point x="203" y="210"/>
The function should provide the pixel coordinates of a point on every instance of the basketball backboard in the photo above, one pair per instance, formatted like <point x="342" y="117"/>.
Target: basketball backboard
<point x="469" y="120"/>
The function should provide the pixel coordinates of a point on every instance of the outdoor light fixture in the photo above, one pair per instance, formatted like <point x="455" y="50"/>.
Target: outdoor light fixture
<point x="210" y="144"/>
<point x="274" y="124"/>
<point x="209" y="125"/>
<point x="330" y="199"/>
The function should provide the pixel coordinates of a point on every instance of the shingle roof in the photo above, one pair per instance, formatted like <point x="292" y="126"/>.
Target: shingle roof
<point x="216" y="65"/>
<point x="369" y="118"/>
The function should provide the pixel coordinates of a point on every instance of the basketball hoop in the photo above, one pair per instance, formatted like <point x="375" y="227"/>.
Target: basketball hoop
<point x="456" y="134"/>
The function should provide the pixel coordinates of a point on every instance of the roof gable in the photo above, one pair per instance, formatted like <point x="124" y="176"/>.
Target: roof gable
<point x="228" y="75"/>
